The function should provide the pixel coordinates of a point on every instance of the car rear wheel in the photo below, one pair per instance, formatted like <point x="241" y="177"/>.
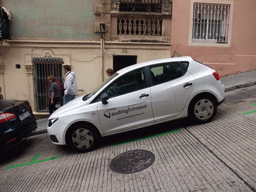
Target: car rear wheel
<point x="203" y="109"/>
<point x="82" y="138"/>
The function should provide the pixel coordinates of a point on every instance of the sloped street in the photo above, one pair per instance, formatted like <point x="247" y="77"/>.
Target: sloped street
<point x="217" y="156"/>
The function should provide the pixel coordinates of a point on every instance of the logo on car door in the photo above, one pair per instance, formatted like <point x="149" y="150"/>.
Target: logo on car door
<point x="125" y="111"/>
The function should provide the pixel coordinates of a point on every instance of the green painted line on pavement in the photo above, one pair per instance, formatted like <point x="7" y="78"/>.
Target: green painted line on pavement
<point x="157" y="135"/>
<point x="33" y="161"/>
<point x="250" y="112"/>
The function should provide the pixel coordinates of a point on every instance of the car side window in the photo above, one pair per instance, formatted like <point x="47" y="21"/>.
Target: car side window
<point x="168" y="71"/>
<point x="132" y="81"/>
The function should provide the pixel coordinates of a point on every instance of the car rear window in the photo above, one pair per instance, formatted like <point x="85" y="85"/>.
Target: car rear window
<point x="168" y="71"/>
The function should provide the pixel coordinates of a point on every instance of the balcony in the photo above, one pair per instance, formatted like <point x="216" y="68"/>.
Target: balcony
<point x="141" y="20"/>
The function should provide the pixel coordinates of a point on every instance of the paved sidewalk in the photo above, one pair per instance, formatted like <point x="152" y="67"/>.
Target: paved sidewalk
<point x="239" y="80"/>
<point x="230" y="82"/>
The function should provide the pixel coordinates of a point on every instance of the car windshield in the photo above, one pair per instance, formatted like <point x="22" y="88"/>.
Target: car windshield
<point x="89" y="95"/>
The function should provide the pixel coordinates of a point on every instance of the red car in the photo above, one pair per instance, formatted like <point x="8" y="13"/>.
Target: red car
<point x="16" y="122"/>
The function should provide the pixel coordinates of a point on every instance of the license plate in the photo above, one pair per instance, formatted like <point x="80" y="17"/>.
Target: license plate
<point x="24" y="115"/>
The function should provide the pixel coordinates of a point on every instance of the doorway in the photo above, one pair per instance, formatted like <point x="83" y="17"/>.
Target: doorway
<point x="121" y="61"/>
<point x="45" y="67"/>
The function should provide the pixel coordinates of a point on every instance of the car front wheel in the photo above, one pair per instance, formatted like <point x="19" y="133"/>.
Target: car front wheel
<point x="82" y="138"/>
<point x="203" y="109"/>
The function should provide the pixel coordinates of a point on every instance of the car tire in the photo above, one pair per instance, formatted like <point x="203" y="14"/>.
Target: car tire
<point x="203" y="109"/>
<point x="82" y="138"/>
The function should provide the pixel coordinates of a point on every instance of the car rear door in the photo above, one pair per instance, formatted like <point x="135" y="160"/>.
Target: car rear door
<point x="172" y="85"/>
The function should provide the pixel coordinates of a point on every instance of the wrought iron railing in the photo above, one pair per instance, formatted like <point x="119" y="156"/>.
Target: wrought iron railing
<point x="139" y="26"/>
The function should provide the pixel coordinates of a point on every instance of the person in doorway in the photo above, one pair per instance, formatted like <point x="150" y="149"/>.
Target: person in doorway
<point x="54" y="94"/>
<point x="70" y="85"/>
<point x="1" y="96"/>
<point x="110" y="72"/>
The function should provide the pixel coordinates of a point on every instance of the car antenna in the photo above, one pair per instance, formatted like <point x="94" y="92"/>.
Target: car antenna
<point x="175" y="50"/>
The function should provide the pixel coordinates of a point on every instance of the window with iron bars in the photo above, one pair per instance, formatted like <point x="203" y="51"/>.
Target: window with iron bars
<point x="141" y="6"/>
<point x="45" y="67"/>
<point x="210" y="23"/>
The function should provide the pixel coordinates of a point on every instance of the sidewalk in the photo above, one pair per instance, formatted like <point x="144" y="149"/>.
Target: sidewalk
<point x="239" y="80"/>
<point x="230" y="82"/>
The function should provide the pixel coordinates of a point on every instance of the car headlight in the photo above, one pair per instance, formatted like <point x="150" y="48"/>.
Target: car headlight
<point x="52" y="121"/>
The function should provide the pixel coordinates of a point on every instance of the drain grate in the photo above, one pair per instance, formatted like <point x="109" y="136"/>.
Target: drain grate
<point x="132" y="161"/>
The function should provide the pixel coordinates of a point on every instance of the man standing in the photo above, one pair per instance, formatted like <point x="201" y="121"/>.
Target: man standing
<point x="70" y="85"/>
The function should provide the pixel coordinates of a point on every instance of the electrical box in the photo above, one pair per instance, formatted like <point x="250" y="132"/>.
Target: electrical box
<point x="101" y="27"/>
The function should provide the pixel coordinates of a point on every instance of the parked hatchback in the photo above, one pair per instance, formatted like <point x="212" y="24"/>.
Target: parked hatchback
<point x="137" y="96"/>
<point x="16" y="122"/>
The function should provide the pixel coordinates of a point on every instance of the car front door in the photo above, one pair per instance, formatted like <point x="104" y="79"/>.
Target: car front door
<point x="129" y="104"/>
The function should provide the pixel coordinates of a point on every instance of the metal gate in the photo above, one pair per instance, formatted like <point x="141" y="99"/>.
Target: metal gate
<point x="44" y="67"/>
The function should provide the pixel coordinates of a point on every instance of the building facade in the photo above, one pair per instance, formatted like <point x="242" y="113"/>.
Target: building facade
<point x="220" y="34"/>
<point x="93" y="36"/>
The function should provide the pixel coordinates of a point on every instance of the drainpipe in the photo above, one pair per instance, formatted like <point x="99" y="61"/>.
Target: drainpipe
<point x="2" y="67"/>
<point x="102" y="56"/>
<point x="3" y="88"/>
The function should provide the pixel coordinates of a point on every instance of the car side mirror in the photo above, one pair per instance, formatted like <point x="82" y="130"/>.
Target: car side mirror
<point x="104" y="98"/>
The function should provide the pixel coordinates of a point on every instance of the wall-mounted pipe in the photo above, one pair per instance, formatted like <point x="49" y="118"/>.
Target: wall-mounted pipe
<point x="102" y="56"/>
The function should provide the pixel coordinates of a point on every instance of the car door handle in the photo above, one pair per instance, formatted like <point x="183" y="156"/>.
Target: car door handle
<point x="187" y="85"/>
<point x="144" y="95"/>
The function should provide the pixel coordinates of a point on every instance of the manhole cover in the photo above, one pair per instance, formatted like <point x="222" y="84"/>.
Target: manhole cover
<point x="132" y="161"/>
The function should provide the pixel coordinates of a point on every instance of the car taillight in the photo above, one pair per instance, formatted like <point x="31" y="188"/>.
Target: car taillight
<point x="216" y="75"/>
<point x="11" y="140"/>
<point x="6" y="117"/>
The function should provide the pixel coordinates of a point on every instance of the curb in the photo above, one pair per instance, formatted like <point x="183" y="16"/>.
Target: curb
<point x="38" y="132"/>
<point x="239" y="86"/>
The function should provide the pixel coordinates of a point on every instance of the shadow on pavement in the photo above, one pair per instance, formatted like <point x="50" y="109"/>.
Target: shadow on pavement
<point x="117" y="139"/>
<point x="146" y="132"/>
<point x="14" y="153"/>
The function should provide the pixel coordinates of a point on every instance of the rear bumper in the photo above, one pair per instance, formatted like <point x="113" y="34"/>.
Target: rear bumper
<point x="17" y="135"/>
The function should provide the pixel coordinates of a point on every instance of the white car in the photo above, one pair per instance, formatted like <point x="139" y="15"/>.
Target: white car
<point x="137" y="96"/>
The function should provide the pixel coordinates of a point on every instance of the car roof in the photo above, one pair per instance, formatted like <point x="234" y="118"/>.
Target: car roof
<point x="153" y="62"/>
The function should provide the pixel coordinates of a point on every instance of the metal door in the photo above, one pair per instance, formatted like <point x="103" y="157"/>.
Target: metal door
<point x="44" y="67"/>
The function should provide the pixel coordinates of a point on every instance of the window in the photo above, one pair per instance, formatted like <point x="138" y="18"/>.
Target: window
<point x="132" y="81"/>
<point x="168" y="71"/>
<point x="210" y="23"/>
<point x="141" y="6"/>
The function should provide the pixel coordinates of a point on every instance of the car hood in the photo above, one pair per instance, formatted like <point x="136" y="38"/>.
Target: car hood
<point x="8" y="104"/>
<point x="75" y="103"/>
